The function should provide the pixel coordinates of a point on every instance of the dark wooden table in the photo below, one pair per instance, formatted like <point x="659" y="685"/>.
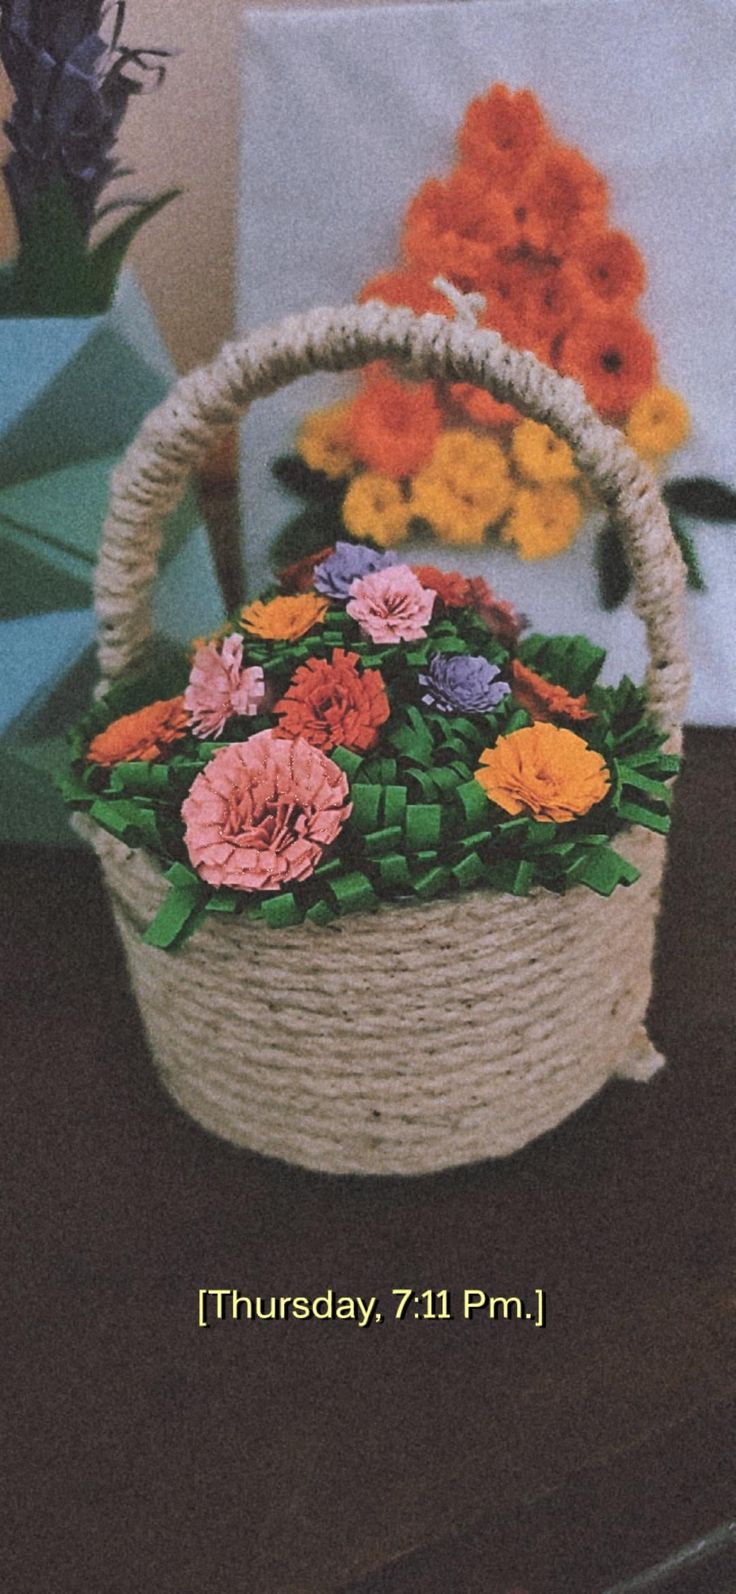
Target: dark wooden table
<point x="152" y="1457"/>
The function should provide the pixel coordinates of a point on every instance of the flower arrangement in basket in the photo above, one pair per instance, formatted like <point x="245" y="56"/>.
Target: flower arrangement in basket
<point x="385" y="817"/>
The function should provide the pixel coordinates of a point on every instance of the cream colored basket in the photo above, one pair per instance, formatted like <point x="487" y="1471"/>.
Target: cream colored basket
<point x="411" y="1038"/>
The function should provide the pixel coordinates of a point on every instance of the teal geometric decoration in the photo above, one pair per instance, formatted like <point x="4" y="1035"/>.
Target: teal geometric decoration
<point x="74" y="393"/>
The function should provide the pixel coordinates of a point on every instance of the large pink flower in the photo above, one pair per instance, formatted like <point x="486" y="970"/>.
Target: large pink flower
<point x="219" y="687"/>
<point x="391" y="605"/>
<point x="262" y="812"/>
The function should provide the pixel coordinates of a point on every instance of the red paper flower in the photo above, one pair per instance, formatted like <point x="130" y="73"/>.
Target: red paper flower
<point x="299" y="576"/>
<point x="542" y="699"/>
<point x="501" y="617"/>
<point x="449" y="585"/>
<point x="333" y="704"/>
<point x="141" y="736"/>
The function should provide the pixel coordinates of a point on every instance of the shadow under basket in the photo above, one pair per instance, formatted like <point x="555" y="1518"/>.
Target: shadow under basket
<point x="410" y="1038"/>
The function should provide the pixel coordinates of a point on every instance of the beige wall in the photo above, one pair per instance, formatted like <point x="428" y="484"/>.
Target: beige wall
<point x="186" y="135"/>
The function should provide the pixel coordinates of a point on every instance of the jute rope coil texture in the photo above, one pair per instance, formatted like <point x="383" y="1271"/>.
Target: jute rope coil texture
<point x="412" y="1038"/>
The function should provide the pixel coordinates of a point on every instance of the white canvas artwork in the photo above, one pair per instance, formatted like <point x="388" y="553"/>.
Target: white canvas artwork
<point x="348" y="110"/>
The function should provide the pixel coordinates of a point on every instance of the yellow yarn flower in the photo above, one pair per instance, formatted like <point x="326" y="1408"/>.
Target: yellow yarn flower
<point x="284" y="619"/>
<point x="323" y="441"/>
<point x="659" y="422"/>
<point x="545" y="772"/>
<point x="540" y="455"/>
<point x="374" y="506"/>
<point x="465" y="488"/>
<point x="543" y="520"/>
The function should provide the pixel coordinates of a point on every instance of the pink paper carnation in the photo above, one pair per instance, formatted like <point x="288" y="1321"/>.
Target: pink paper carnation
<point x="219" y="687"/>
<point x="262" y="812"/>
<point x="391" y="605"/>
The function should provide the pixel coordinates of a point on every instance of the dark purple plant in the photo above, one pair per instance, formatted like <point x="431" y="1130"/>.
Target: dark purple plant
<point x="72" y="79"/>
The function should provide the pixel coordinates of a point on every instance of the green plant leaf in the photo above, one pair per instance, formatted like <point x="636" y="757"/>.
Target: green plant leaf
<point x="686" y="545"/>
<point x="702" y="497"/>
<point x="52" y="268"/>
<point x="106" y="258"/>
<point x="614" y="575"/>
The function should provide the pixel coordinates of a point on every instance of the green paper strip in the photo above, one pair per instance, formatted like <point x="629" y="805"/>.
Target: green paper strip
<point x="468" y="871"/>
<point x="473" y="802"/>
<point x="665" y="763"/>
<point x="179" y="875"/>
<point x="602" y="869"/>
<point x="635" y="815"/>
<point x="141" y="778"/>
<point x="223" y="901"/>
<point x="320" y="913"/>
<point x="281" y="911"/>
<point x="431" y="881"/>
<point x="393" y="872"/>
<point x="380" y="842"/>
<point x="128" y="821"/>
<point x="353" y="893"/>
<point x="178" y="915"/>
<point x="366" y="805"/>
<point x="423" y="826"/>
<point x="348" y="762"/>
<point x="652" y="788"/>
<point x="394" y="805"/>
<point x="511" y="875"/>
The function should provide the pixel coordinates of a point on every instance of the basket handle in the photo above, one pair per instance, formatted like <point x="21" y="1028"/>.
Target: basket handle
<point x="176" y="437"/>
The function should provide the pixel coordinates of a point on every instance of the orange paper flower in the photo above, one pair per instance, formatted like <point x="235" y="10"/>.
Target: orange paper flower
<point x="562" y="198"/>
<point x="394" y="426"/>
<point x="545" y="772"/>
<point x="542" y="699"/>
<point x="614" y="358"/>
<point x="331" y="704"/>
<point x="456" y="225"/>
<point x="140" y="736"/>
<point x="284" y="619"/>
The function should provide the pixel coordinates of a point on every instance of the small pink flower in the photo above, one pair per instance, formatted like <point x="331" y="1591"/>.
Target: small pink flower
<point x="262" y="812"/>
<point x="391" y="605"/>
<point x="219" y="687"/>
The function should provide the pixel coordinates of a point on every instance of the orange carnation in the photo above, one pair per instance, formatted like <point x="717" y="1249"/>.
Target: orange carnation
<point x="284" y="619"/>
<point x="614" y="357"/>
<point x="542" y="699"/>
<point x="545" y="772"/>
<point x="501" y="132"/>
<point x="331" y="705"/>
<point x="140" y="737"/>
<point x="394" y="426"/>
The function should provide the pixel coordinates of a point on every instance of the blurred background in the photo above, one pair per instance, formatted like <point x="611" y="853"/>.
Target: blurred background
<point x="185" y="136"/>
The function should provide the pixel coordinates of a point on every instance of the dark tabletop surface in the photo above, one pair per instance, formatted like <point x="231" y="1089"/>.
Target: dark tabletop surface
<point x="150" y="1456"/>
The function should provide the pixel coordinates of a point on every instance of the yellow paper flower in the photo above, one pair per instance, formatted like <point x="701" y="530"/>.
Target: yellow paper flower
<point x="465" y="488"/>
<point x="284" y="619"/>
<point x="659" y="422"/>
<point x="545" y="772"/>
<point x="323" y="441"/>
<point x="540" y="455"/>
<point x="374" y="506"/>
<point x="543" y="520"/>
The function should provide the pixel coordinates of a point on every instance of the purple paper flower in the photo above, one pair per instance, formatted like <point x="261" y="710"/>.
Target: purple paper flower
<point x="350" y="562"/>
<point x="458" y="683"/>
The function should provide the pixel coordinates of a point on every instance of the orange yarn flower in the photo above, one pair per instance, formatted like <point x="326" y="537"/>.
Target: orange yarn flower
<point x="545" y="772"/>
<point x="542" y="699"/>
<point x="562" y="198"/>
<point x="611" y="268"/>
<point x="394" y="426"/>
<point x="614" y="357"/>
<point x="141" y="736"/>
<point x="284" y="619"/>
<point x="501" y="132"/>
<point x="456" y="225"/>
<point x="331" y="704"/>
<point x="450" y="586"/>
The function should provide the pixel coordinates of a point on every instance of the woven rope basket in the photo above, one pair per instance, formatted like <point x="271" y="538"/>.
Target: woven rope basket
<point x="412" y="1038"/>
